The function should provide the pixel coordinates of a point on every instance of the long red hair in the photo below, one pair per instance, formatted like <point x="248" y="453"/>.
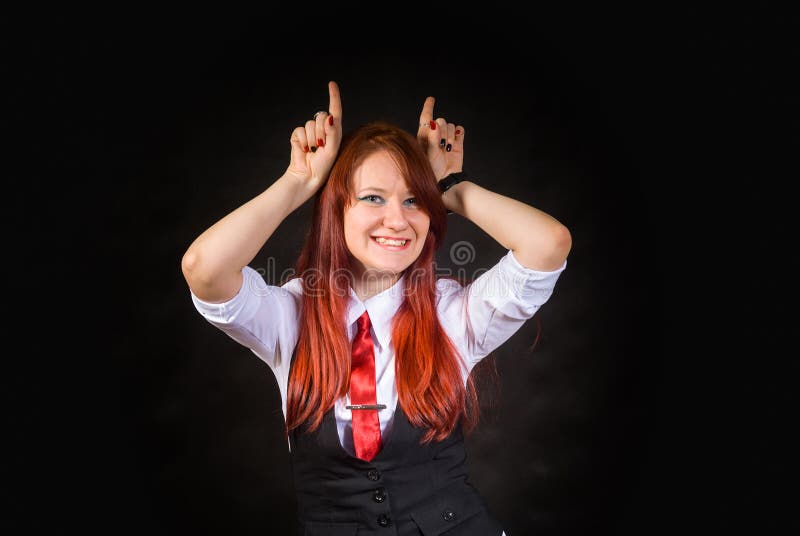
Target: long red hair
<point x="428" y="376"/>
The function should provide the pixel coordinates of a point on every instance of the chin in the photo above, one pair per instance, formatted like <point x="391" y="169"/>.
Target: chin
<point x="392" y="270"/>
<point x="387" y="270"/>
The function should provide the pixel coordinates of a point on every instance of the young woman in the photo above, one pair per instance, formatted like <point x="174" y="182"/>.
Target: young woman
<point x="371" y="351"/>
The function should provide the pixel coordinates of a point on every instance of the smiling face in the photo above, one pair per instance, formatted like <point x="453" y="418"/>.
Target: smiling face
<point x="384" y="228"/>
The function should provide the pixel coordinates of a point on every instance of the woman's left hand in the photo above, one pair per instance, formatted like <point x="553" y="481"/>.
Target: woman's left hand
<point x="443" y="142"/>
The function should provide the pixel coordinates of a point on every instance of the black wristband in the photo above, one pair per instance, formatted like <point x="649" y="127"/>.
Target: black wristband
<point x="451" y="180"/>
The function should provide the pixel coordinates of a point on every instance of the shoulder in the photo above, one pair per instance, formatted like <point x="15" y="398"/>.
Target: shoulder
<point x="448" y="292"/>
<point x="293" y="286"/>
<point x="254" y="283"/>
<point x="447" y="285"/>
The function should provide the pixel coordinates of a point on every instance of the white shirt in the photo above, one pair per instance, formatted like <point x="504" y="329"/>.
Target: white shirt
<point x="478" y="318"/>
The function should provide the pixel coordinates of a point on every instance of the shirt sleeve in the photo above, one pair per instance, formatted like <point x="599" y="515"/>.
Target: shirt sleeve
<point x="261" y="317"/>
<point x="484" y="314"/>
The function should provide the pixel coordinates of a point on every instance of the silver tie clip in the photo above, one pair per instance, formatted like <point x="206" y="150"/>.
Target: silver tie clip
<point x="367" y="406"/>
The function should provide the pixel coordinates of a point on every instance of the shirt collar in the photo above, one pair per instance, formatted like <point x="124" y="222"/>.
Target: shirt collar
<point x="381" y="307"/>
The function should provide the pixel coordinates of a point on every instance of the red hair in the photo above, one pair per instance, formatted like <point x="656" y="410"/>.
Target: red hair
<point x="430" y="385"/>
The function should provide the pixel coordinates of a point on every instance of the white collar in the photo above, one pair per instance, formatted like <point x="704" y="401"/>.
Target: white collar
<point x="381" y="307"/>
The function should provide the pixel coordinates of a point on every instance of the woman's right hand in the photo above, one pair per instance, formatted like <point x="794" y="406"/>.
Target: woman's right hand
<point x="315" y="145"/>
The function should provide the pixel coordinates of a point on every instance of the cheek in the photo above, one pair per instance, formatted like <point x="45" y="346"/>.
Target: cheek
<point x="421" y="224"/>
<point x="348" y="224"/>
<point x="350" y="221"/>
<point x="357" y="224"/>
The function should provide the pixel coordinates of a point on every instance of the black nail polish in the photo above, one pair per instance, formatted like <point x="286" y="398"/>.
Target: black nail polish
<point x="442" y="142"/>
<point x="449" y="147"/>
<point x="313" y="149"/>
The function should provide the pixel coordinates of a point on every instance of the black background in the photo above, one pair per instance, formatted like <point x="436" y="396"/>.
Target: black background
<point x="128" y="413"/>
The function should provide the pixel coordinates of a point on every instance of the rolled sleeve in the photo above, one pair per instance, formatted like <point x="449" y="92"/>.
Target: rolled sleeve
<point x="485" y="313"/>
<point x="261" y="317"/>
<point x="529" y="288"/>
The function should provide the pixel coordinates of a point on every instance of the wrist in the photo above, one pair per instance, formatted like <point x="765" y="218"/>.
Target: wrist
<point x="449" y="187"/>
<point x="451" y="180"/>
<point x="300" y="188"/>
<point x="453" y="198"/>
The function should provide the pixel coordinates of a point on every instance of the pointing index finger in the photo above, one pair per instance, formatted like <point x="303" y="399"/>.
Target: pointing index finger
<point x="427" y="111"/>
<point x="335" y="106"/>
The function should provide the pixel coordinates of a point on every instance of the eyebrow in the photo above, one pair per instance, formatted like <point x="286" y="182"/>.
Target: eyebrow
<point x="381" y="190"/>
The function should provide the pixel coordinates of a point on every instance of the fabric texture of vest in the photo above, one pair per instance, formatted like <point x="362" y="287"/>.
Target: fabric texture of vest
<point x="407" y="489"/>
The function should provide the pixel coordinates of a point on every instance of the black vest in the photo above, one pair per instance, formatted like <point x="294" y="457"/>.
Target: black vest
<point x="407" y="489"/>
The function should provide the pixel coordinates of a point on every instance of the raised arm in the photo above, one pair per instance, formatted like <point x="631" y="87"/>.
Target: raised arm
<point x="538" y="240"/>
<point x="213" y="263"/>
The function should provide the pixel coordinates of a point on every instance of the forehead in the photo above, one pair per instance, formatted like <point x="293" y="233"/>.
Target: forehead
<point x="379" y="170"/>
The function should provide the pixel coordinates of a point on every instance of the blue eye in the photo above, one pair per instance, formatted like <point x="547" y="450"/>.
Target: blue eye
<point x="378" y="200"/>
<point x="371" y="198"/>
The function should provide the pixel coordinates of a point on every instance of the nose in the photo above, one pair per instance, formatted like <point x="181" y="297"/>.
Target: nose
<point x="393" y="216"/>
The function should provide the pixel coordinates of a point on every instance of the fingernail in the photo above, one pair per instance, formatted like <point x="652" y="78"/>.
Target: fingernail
<point x="305" y="149"/>
<point x="458" y="131"/>
<point x="320" y="142"/>
<point x="313" y="149"/>
<point x="330" y="120"/>
<point x="433" y="124"/>
<point x="442" y="142"/>
<point x="449" y="148"/>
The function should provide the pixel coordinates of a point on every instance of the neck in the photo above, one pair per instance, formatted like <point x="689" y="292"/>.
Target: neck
<point x="368" y="284"/>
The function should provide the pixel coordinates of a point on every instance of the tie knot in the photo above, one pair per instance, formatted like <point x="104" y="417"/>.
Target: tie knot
<point x="363" y="323"/>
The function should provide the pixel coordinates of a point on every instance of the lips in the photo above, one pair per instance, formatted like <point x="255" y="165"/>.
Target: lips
<point x="392" y="243"/>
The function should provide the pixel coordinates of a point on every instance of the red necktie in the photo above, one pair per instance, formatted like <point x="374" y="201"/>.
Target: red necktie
<point x="366" y="426"/>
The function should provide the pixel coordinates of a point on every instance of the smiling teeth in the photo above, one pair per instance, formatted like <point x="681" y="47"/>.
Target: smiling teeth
<point x="391" y="242"/>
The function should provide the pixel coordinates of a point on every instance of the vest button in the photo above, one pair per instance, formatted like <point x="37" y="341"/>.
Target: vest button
<point x="379" y="496"/>
<point x="384" y="520"/>
<point x="448" y="515"/>
<point x="374" y="474"/>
